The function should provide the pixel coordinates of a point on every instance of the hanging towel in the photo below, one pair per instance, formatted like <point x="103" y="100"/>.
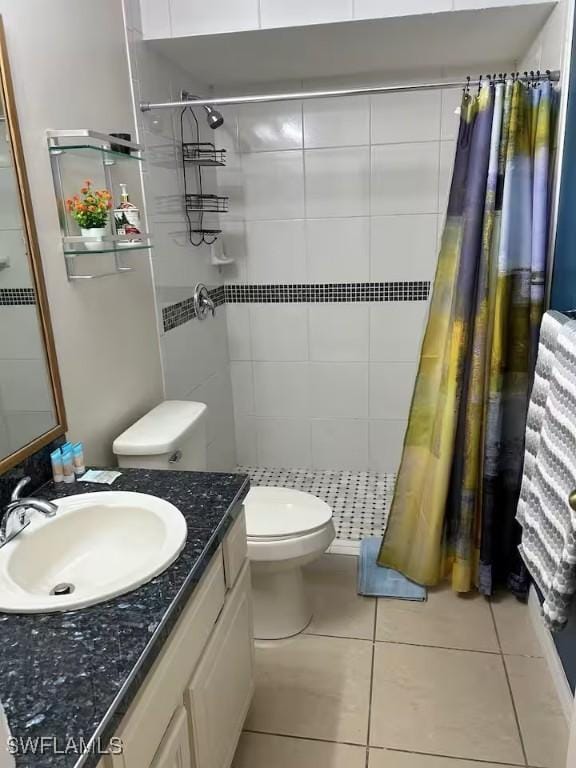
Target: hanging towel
<point x="377" y="581"/>
<point x="548" y="545"/>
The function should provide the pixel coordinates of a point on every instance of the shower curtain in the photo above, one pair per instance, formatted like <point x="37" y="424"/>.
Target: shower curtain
<point x="455" y="499"/>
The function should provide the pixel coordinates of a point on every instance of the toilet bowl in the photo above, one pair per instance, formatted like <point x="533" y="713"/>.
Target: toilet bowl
<point x="286" y="529"/>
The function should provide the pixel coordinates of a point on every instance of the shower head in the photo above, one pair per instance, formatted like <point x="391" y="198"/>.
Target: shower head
<point x="214" y="118"/>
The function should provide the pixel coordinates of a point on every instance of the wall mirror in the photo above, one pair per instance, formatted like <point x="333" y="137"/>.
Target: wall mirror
<point x="31" y="405"/>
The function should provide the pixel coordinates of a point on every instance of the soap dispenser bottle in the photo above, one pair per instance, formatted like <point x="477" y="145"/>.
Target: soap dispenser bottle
<point x="127" y="215"/>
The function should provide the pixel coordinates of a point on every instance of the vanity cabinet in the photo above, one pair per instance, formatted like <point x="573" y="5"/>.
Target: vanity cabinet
<point x="192" y="705"/>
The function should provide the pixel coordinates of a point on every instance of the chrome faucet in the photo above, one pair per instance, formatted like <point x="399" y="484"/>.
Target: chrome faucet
<point x="15" y="517"/>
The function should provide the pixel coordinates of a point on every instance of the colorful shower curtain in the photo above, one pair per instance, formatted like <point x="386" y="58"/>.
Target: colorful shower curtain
<point x="458" y="484"/>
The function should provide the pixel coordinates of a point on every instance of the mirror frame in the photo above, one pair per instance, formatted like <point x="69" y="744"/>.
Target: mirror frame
<point x="35" y="262"/>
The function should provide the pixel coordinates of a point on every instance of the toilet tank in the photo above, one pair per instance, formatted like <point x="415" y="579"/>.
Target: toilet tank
<point x="170" y="436"/>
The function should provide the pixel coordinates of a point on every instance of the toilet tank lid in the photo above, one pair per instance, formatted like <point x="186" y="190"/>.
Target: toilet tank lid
<point x="161" y="430"/>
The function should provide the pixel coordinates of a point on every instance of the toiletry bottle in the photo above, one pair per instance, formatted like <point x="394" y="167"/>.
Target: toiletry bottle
<point x="57" y="468"/>
<point x="127" y="215"/>
<point x="78" y="454"/>
<point x="68" y="466"/>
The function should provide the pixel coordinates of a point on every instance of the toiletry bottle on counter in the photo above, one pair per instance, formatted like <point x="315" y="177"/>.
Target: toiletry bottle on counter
<point x="68" y="466"/>
<point x="127" y="215"/>
<point x="57" y="468"/>
<point x="78" y="456"/>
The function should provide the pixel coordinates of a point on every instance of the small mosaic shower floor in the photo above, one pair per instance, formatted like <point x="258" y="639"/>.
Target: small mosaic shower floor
<point x="360" y="501"/>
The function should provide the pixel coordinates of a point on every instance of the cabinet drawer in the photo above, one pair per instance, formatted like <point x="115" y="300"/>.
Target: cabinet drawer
<point x="149" y="715"/>
<point x="220" y="692"/>
<point x="235" y="549"/>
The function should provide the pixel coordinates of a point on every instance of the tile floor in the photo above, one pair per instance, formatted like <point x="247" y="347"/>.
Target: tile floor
<point x="456" y="682"/>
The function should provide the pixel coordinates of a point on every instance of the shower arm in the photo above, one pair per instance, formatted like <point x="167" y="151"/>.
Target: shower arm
<point x="526" y="77"/>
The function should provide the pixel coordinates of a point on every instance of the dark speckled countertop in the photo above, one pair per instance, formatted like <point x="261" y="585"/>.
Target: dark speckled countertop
<point x="74" y="675"/>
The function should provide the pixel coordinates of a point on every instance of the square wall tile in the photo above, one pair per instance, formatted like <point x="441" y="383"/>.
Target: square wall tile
<point x="276" y="251"/>
<point x="279" y="332"/>
<point x="155" y="18"/>
<point x="445" y="620"/>
<point x="462" y="697"/>
<point x="405" y="178"/>
<point x="291" y="13"/>
<point x="450" y="120"/>
<point x="274" y="185"/>
<point x="238" y="324"/>
<point x="403" y="247"/>
<point x="242" y="386"/>
<point x="338" y="122"/>
<point x="270" y="126"/>
<point x="339" y="332"/>
<point x="396" y="330"/>
<point x="337" y="182"/>
<point x="245" y="438"/>
<point x="340" y="444"/>
<point x="10" y="211"/>
<point x="262" y="750"/>
<point x="385" y="443"/>
<point x="195" y="17"/>
<point x="542" y="722"/>
<point x="313" y="687"/>
<point x="338" y="250"/>
<point x="25" y="426"/>
<point x="391" y="387"/>
<point x="403" y="117"/>
<point x="283" y="442"/>
<point x="339" y="390"/>
<point x="375" y="9"/>
<point x="24" y="383"/>
<point x="447" y="154"/>
<point x="25" y="341"/>
<point x="281" y="389"/>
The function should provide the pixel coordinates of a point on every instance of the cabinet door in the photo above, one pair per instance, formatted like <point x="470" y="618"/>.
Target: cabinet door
<point x="222" y="686"/>
<point x="174" y="749"/>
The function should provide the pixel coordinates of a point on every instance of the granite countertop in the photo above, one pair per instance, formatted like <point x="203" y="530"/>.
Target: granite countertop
<point x="74" y="675"/>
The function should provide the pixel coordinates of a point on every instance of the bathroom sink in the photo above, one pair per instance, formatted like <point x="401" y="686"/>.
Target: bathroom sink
<point x="97" y="546"/>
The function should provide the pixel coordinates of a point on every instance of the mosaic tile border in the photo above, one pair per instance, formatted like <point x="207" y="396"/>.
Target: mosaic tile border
<point x="17" y="297"/>
<point x="299" y="293"/>
<point x="179" y="313"/>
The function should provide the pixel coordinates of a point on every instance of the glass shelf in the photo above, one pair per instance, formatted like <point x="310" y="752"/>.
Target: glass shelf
<point x="106" y="248"/>
<point x="109" y="156"/>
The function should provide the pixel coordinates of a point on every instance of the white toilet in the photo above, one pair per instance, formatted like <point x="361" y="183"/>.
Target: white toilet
<point x="285" y="528"/>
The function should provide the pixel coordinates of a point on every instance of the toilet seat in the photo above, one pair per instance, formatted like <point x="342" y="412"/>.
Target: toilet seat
<point x="286" y="525"/>
<point x="275" y="514"/>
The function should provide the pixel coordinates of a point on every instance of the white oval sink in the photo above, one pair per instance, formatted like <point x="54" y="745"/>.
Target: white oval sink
<point x="98" y="545"/>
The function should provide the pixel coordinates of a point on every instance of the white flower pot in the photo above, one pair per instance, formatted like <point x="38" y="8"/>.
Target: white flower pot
<point x="97" y="235"/>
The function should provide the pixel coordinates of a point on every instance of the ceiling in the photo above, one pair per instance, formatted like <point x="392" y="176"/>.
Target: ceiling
<point x="432" y="42"/>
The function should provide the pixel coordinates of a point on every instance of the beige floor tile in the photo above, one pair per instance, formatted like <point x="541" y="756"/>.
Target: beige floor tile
<point x="384" y="758"/>
<point x="259" y="750"/>
<point x="338" y="609"/>
<point x="313" y="686"/>
<point x="445" y="702"/>
<point x="445" y="620"/>
<point x="542" y="723"/>
<point x="517" y="635"/>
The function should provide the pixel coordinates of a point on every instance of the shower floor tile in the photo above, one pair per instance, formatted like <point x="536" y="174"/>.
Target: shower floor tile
<point x="360" y="501"/>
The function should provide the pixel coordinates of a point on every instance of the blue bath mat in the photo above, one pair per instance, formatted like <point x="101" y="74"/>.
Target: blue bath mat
<point x="375" y="581"/>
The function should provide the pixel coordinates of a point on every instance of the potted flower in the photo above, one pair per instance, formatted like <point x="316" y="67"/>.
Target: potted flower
<point x="90" y="211"/>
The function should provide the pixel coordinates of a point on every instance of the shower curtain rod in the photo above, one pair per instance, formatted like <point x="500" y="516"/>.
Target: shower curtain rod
<point x="301" y="95"/>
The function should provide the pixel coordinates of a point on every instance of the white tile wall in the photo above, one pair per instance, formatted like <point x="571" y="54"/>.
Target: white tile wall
<point x="338" y="250"/>
<point x="337" y="182"/>
<point x="285" y="13"/>
<point x="405" y="178"/>
<point x="198" y="17"/>
<point x="274" y="185"/>
<point x="368" y="9"/>
<point x="339" y="332"/>
<point x="337" y="122"/>
<point x="362" y="201"/>
<point x="277" y="251"/>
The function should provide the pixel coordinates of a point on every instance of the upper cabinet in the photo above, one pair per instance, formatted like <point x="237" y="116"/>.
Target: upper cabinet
<point x="183" y="18"/>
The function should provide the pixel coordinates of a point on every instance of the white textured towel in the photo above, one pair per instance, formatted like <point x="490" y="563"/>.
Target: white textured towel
<point x="548" y="544"/>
